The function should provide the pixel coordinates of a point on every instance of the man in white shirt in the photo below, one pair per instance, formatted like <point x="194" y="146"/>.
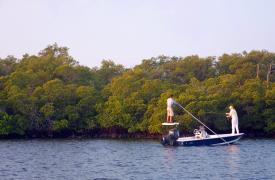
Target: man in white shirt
<point x="170" y="112"/>
<point x="234" y="119"/>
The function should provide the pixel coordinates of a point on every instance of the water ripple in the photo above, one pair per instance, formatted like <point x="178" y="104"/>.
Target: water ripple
<point x="134" y="159"/>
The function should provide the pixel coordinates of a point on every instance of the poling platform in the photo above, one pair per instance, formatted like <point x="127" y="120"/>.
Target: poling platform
<point x="170" y="124"/>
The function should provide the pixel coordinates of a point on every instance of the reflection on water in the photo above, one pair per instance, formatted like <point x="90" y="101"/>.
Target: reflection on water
<point x="168" y="153"/>
<point x="233" y="159"/>
<point x="234" y="148"/>
<point x="134" y="159"/>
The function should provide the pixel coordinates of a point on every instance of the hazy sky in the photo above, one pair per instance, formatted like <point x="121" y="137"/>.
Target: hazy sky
<point x="128" y="31"/>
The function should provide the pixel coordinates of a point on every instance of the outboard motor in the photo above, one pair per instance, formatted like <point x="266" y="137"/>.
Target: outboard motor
<point x="171" y="138"/>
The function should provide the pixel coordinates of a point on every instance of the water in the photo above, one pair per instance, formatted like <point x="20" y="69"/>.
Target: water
<point x="134" y="159"/>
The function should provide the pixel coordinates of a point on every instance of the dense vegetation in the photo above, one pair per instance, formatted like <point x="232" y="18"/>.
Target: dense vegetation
<point x="51" y="94"/>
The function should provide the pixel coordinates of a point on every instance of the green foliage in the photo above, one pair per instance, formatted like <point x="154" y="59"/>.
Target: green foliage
<point x="11" y="124"/>
<point x="269" y="112"/>
<point x="7" y="65"/>
<point x="47" y="110"/>
<point x="60" y="125"/>
<point x="51" y="92"/>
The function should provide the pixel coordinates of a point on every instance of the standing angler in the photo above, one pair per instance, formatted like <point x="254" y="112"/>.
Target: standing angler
<point x="234" y="119"/>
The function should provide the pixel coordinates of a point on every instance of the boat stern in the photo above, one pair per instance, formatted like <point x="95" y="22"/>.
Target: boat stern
<point x="171" y="138"/>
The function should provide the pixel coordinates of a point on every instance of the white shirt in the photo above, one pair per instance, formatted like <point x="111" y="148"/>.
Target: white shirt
<point x="170" y="102"/>
<point x="233" y="115"/>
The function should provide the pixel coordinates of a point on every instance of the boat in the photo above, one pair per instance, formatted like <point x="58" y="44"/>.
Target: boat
<point x="198" y="139"/>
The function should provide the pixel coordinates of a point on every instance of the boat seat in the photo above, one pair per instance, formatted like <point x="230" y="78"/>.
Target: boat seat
<point x="200" y="134"/>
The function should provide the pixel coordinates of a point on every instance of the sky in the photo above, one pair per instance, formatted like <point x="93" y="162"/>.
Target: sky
<point x="128" y="31"/>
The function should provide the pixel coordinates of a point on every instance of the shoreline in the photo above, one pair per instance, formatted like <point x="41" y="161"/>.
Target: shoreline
<point x="109" y="134"/>
<point x="93" y="134"/>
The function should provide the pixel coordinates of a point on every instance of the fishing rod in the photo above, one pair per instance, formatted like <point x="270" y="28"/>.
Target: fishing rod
<point x="201" y="122"/>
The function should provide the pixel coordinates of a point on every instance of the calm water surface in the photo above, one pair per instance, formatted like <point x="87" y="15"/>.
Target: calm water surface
<point x="134" y="159"/>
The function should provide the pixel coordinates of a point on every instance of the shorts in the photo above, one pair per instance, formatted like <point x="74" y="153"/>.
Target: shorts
<point x="170" y="112"/>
